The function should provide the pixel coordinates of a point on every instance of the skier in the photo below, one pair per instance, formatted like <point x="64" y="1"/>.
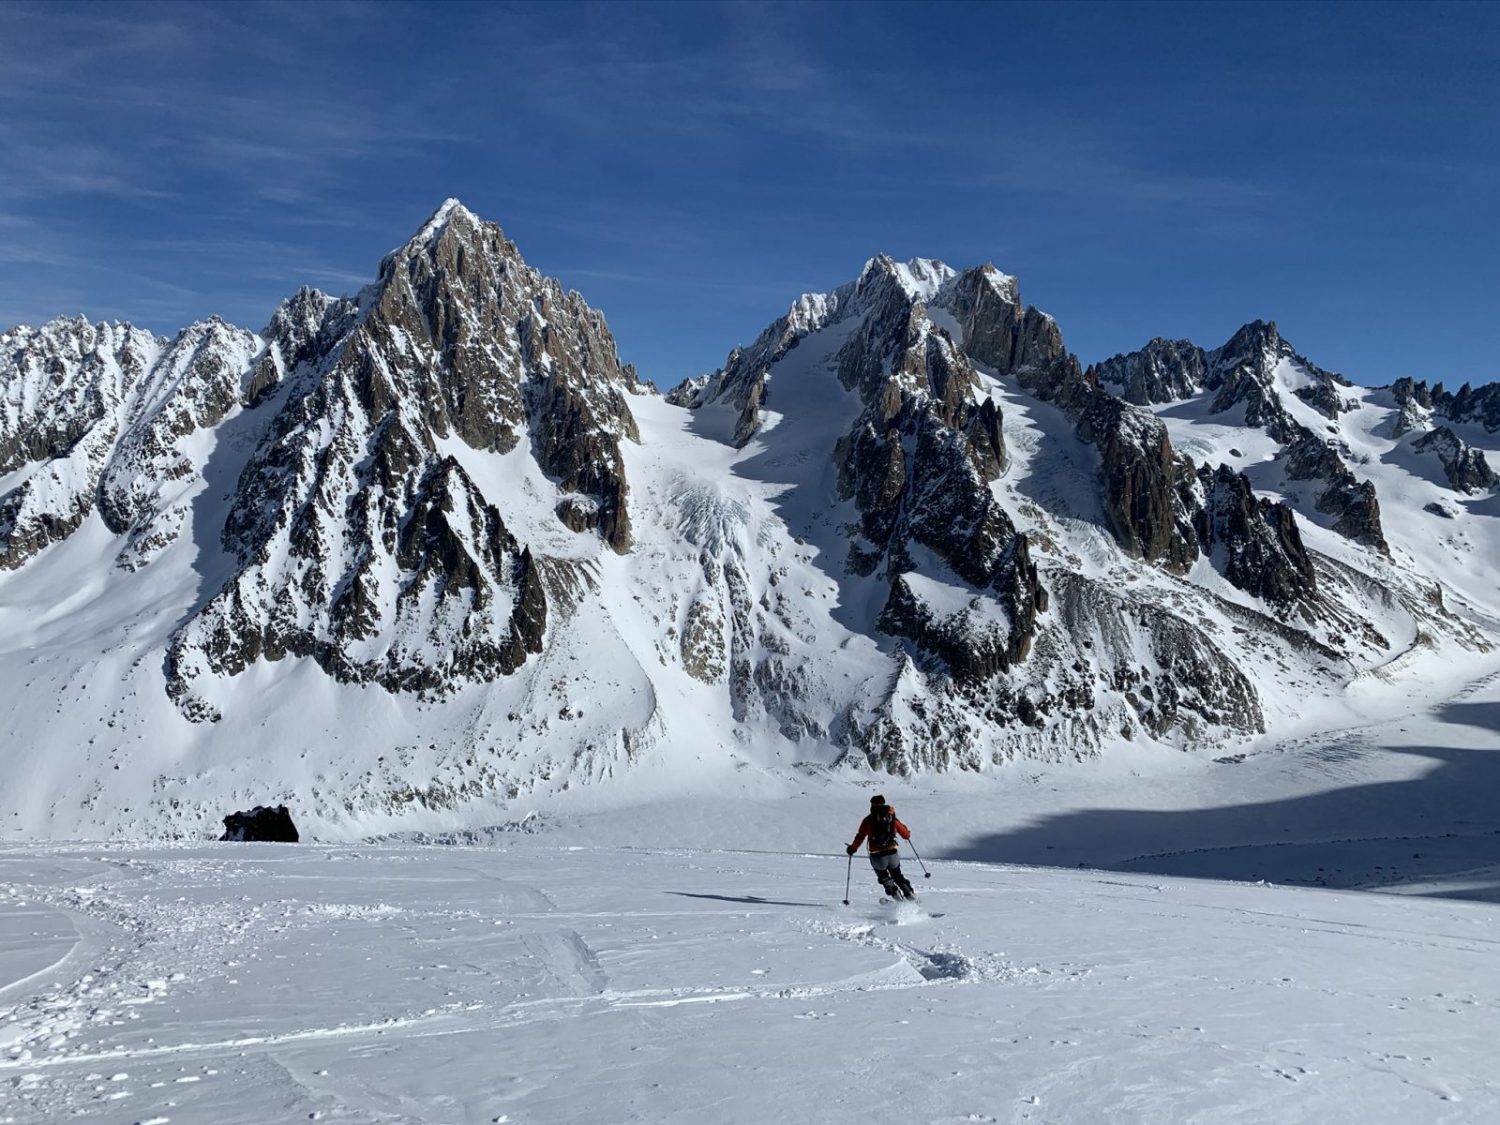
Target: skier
<point x="881" y="826"/>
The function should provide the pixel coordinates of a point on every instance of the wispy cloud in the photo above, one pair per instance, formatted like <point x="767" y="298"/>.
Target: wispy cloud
<point x="167" y="117"/>
<point x="743" y="65"/>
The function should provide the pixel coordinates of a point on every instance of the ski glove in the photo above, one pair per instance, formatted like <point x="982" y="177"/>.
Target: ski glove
<point x="851" y="849"/>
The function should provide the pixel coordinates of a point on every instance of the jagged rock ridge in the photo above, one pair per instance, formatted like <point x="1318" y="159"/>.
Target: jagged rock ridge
<point x="1242" y="379"/>
<point x="100" y="417"/>
<point x="919" y="461"/>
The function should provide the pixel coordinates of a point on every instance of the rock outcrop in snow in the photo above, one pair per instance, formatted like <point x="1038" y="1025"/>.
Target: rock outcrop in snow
<point x="1466" y="467"/>
<point x="261" y="825"/>
<point x="104" y="417"/>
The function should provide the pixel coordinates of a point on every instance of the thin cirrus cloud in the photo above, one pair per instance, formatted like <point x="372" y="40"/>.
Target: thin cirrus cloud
<point x="170" y="118"/>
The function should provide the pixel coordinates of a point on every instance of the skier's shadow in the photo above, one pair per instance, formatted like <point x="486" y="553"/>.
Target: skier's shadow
<point x="752" y="900"/>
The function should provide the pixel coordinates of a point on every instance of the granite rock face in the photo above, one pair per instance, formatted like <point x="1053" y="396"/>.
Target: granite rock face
<point x="998" y="330"/>
<point x="918" y="463"/>
<point x="1162" y="371"/>
<point x="1261" y="548"/>
<point x="1152" y="517"/>
<point x="362" y="540"/>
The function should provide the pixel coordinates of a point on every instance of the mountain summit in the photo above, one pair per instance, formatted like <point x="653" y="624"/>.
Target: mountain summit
<point x="402" y="557"/>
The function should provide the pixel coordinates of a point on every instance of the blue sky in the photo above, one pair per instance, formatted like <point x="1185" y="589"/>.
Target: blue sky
<point x="1143" y="169"/>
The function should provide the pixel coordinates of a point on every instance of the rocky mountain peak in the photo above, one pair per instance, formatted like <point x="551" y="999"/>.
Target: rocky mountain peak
<point x="1256" y="339"/>
<point x="355" y="510"/>
<point x="1245" y="368"/>
<point x="1006" y="287"/>
<point x="918" y="279"/>
<point x="451" y="214"/>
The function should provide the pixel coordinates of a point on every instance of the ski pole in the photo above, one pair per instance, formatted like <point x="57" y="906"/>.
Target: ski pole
<point x="925" y="873"/>
<point x="849" y="874"/>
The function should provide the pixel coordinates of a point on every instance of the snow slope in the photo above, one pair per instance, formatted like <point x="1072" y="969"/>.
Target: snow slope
<point x="533" y="984"/>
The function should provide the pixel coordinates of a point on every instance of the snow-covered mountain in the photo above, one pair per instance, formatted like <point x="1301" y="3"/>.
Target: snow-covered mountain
<point x="400" y="558"/>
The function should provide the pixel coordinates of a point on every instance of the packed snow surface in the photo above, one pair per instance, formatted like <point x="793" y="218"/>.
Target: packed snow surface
<point x="663" y="960"/>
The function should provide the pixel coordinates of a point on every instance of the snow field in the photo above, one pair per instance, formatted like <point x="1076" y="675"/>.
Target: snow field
<point x="637" y="953"/>
<point x="541" y="983"/>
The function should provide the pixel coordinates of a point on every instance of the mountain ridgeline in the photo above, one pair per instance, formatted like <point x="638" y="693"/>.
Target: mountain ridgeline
<point x="903" y="529"/>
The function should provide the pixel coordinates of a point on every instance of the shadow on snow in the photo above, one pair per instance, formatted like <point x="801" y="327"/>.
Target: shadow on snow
<point x="750" y="900"/>
<point x="1440" y="826"/>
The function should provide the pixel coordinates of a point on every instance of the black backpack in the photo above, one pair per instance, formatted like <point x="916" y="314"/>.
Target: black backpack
<point x="883" y="828"/>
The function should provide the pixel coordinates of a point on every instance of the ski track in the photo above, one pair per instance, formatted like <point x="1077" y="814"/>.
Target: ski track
<point x="137" y="949"/>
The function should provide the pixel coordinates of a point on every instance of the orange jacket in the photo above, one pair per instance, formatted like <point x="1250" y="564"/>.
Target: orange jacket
<point x="864" y="830"/>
